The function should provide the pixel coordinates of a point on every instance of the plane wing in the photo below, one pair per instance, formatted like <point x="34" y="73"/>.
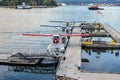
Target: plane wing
<point x="25" y="34"/>
<point x="72" y="35"/>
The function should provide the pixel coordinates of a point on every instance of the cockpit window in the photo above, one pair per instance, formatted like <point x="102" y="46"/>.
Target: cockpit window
<point x="56" y="37"/>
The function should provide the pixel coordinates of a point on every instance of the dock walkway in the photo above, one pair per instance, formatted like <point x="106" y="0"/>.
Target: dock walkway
<point x="68" y="68"/>
<point x="113" y="33"/>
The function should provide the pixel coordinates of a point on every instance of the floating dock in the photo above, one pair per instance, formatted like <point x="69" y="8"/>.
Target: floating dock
<point x="101" y="45"/>
<point x="113" y="33"/>
<point x="8" y="60"/>
<point x="30" y="60"/>
<point x="91" y="27"/>
<point x="107" y="31"/>
<point x="100" y="34"/>
<point x="70" y="66"/>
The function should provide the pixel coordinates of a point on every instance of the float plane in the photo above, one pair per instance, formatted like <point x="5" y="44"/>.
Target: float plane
<point x="56" y="49"/>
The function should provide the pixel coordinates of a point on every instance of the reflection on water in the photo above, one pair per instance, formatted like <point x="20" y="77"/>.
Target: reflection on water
<point x="35" y="69"/>
<point x="101" y="60"/>
<point x="26" y="73"/>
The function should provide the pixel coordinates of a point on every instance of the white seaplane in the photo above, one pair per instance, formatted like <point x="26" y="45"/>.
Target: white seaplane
<point x="59" y="41"/>
<point x="68" y="25"/>
<point x="56" y="49"/>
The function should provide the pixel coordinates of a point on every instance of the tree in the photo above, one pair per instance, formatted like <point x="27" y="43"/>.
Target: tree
<point x="12" y="2"/>
<point x="49" y="3"/>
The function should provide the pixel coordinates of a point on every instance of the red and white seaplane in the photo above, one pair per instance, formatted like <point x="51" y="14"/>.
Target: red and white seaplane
<point x="56" y="49"/>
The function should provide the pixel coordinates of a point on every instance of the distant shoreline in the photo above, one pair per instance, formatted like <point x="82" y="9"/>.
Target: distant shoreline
<point x="31" y="6"/>
<point x="53" y="6"/>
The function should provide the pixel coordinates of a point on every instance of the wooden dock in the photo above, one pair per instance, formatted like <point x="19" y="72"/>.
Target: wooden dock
<point x="108" y="32"/>
<point x="99" y="76"/>
<point x="69" y="68"/>
<point x="7" y="60"/>
<point x="113" y="33"/>
<point x="101" y="46"/>
<point x="104" y="76"/>
<point x="90" y="28"/>
<point x="100" y="34"/>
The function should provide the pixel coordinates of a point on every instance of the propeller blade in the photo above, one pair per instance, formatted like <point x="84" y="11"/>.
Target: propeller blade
<point x="49" y="26"/>
<point x="74" y="35"/>
<point x="25" y="34"/>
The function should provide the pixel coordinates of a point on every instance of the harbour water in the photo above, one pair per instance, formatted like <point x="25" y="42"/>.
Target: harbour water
<point x="101" y="61"/>
<point x="13" y="23"/>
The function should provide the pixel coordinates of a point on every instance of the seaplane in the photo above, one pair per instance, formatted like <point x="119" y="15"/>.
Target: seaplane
<point x="61" y="29"/>
<point x="59" y="41"/>
<point x="67" y="25"/>
<point x="65" y="29"/>
<point x="56" y="48"/>
<point x="23" y="6"/>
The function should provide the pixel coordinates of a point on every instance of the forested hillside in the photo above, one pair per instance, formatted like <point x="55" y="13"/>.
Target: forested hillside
<point x="30" y="2"/>
<point x="89" y="1"/>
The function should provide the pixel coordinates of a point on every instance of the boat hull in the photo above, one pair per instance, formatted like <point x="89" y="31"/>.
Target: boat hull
<point x="90" y="8"/>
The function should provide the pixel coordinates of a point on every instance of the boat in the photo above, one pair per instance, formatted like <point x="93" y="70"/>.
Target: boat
<point x="23" y="6"/>
<point x="62" y="4"/>
<point x="95" y="7"/>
